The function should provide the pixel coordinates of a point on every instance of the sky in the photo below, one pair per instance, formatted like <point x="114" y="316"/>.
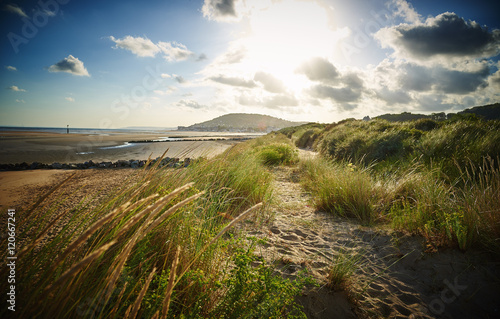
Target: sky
<point x="114" y="64"/>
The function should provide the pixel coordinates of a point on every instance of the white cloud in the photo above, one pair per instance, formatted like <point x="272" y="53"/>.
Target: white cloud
<point x="139" y="46"/>
<point x="405" y="10"/>
<point x="11" y="68"/>
<point x="319" y="69"/>
<point x="20" y="101"/>
<point x="144" y="47"/>
<point x="167" y="91"/>
<point x="15" y="9"/>
<point x="174" y="51"/>
<point x="69" y="99"/>
<point x="15" y="88"/>
<point x="192" y="104"/>
<point x="70" y="65"/>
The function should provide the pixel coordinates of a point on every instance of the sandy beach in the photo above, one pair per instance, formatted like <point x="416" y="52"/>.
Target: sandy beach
<point x="47" y="148"/>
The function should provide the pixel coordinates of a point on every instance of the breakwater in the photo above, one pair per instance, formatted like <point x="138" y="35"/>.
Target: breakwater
<point x="165" y="162"/>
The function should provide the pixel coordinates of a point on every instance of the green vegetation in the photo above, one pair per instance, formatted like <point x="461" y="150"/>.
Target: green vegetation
<point x="164" y="245"/>
<point x="439" y="179"/>
<point x="342" y="269"/>
<point x="161" y="246"/>
<point x="486" y="112"/>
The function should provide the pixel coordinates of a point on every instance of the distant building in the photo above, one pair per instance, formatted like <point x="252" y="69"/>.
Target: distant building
<point x="366" y="118"/>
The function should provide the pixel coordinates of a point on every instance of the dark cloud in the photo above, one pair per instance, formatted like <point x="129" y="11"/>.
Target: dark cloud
<point x="319" y="69"/>
<point x="341" y="95"/>
<point x="416" y="78"/>
<point x="179" y="78"/>
<point x="201" y="57"/>
<point x="352" y="80"/>
<point x="445" y="35"/>
<point x="219" y="9"/>
<point x="393" y="97"/>
<point x="458" y="82"/>
<point x="422" y="79"/>
<point x="270" y="82"/>
<point x="70" y="65"/>
<point x="433" y="103"/>
<point x="233" y="81"/>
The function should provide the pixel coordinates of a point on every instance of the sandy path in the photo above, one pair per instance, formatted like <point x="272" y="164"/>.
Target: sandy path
<point x="395" y="278"/>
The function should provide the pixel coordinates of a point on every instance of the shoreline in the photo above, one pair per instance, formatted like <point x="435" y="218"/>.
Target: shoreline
<point x="49" y="148"/>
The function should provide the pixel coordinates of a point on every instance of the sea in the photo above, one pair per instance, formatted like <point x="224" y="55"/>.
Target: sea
<point x="93" y="131"/>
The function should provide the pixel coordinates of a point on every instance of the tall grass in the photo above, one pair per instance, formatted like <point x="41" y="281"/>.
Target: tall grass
<point x="437" y="179"/>
<point x="154" y="248"/>
<point x="340" y="188"/>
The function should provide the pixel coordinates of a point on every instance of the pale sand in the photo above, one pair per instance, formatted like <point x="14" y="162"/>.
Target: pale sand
<point x="47" y="148"/>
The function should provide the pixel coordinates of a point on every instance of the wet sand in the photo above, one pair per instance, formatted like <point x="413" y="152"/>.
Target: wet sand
<point x="47" y="148"/>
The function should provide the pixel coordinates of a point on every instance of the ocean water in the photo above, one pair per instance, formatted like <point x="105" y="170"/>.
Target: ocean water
<point x="62" y="130"/>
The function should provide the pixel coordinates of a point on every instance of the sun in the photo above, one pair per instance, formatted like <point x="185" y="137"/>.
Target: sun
<point x="285" y="34"/>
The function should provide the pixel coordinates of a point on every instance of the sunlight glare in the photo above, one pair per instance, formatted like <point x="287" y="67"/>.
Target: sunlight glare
<point x="286" y="34"/>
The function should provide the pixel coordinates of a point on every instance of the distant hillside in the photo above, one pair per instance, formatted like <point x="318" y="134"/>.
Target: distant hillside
<point x="486" y="112"/>
<point x="240" y="122"/>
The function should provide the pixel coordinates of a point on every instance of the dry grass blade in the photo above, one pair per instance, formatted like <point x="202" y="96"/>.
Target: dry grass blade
<point x="171" y="284"/>
<point x="41" y="199"/>
<point x="41" y="235"/>
<point x="115" y="308"/>
<point x="83" y="237"/>
<point x="242" y="216"/>
<point x="148" y="175"/>
<point x="73" y="270"/>
<point x="117" y="266"/>
<point x="140" y="233"/>
<point x="131" y="222"/>
<point x="171" y="210"/>
<point x="138" y="301"/>
<point x="154" y="208"/>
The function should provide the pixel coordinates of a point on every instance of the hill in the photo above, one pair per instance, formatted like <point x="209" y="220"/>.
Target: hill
<point x="241" y="122"/>
<point x="486" y="112"/>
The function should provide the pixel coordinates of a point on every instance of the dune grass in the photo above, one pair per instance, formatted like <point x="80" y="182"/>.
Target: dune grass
<point x="159" y="247"/>
<point x="437" y="179"/>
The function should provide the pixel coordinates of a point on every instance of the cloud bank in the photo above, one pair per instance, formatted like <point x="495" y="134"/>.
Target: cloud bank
<point x="446" y="35"/>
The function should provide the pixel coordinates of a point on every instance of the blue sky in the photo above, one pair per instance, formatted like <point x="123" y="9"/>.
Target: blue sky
<point x="111" y="64"/>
